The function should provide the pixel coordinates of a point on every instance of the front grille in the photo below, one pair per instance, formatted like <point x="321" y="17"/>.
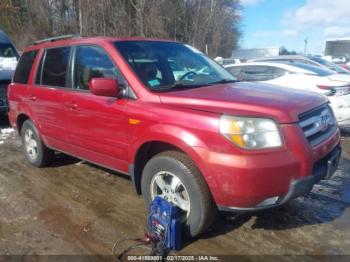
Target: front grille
<point x="318" y="124"/>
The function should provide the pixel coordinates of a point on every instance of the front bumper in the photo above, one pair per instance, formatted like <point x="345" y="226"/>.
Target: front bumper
<point x="246" y="179"/>
<point x="323" y="169"/>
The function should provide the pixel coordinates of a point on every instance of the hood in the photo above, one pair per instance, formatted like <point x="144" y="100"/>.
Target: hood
<point x="247" y="99"/>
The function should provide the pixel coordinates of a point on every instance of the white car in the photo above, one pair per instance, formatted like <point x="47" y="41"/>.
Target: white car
<point x="301" y="76"/>
<point x="309" y="60"/>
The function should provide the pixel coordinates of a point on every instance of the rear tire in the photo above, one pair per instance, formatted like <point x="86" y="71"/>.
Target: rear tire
<point x="175" y="170"/>
<point x="35" y="150"/>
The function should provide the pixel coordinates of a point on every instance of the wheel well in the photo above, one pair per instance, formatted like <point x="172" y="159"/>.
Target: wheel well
<point x="144" y="154"/>
<point x="20" y="120"/>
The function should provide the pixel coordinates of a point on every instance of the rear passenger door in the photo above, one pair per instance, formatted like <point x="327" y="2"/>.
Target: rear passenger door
<point x="46" y="94"/>
<point x="21" y="80"/>
<point x="96" y="125"/>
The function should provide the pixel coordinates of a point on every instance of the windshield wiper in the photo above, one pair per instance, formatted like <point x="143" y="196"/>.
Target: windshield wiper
<point x="224" y="81"/>
<point x="180" y="86"/>
<point x="176" y="87"/>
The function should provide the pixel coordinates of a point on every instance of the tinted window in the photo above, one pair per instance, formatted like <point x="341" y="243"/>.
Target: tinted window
<point x="288" y="60"/>
<point x="314" y="69"/>
<point x="55" y="67"/>
<point x="293" y="60"/>
<point x="92" y="62"/>
<point x="260" y="73"/>
<point x="24" y="67"/>
<point x="236" y="71"/>
<point x="304" y="61"/>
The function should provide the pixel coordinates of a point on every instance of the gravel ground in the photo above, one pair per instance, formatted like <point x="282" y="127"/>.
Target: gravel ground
<point x="75" y="208"/>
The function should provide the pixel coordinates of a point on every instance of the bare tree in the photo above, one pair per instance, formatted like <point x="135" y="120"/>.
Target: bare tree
<point x="206" y="24"/>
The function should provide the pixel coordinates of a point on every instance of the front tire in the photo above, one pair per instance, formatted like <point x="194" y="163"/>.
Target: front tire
<point x="173" y="176"/>
<point x="35" y="150"/>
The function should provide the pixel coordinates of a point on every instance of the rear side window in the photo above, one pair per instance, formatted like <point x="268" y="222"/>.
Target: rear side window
<point x="235" y="71"/>
<point x="24" y="67"/>
<point x="260" y="73"/>
<point x="54" y="71"/>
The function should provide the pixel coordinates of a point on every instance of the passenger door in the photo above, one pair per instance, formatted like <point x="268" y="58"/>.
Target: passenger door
<point x="46" y="94"/>
<point x="96" y="125"/>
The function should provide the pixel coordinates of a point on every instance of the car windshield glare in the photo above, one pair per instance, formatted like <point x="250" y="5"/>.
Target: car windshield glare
<point x="164" y="65"/>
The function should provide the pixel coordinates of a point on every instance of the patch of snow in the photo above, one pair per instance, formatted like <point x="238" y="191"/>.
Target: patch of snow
<point x="7" y="130"/>
<point x="8" y="63"/>
<point x="5" y="133"/>
<point x="79" y="163"/>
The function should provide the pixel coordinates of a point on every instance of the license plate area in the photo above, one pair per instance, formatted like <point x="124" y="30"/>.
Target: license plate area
<point x="332" y="164"/>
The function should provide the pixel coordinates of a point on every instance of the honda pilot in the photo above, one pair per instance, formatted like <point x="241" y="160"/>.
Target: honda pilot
<point x="178" y="123"/>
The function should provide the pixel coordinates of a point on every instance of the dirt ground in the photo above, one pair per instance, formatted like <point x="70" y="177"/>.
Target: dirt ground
<point x="76" y="208"/>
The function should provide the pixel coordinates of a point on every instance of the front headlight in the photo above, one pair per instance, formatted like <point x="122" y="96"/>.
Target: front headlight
<point x="249" y="132"/>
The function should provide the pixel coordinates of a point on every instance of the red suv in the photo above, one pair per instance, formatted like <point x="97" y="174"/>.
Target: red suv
<point x="178" y="123"/>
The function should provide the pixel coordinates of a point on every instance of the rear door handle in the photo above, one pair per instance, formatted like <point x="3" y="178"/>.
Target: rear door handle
<point x="33" y="98"/>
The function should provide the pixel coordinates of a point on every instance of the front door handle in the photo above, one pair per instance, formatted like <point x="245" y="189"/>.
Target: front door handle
<point x="33" y="98"/>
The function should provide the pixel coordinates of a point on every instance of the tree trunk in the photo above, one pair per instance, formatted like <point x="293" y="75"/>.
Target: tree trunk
<point x="139" y="6"/>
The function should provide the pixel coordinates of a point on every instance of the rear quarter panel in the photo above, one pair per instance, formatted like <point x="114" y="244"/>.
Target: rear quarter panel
<point x="18" y="97"/>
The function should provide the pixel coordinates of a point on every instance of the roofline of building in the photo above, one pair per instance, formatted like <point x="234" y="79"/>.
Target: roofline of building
<point x="338" y="39"/>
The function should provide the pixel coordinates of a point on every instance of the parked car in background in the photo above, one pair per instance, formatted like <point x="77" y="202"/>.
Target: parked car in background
<point x="8" y="62"/>
<point x="201" y="140"/>
<point x="226" y="61"/>
<point x="301" y="76"/>
<point x="309" y="60"/>
<point x="345" y="67"/>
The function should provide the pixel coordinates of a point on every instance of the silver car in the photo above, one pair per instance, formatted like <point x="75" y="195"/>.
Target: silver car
<point x="310" y="60"/>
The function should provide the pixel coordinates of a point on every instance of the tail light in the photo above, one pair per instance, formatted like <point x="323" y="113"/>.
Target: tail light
<point x="336" y="90"/>
<point x="324" y="87"/>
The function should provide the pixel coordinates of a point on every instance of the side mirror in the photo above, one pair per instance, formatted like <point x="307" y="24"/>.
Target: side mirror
<point x="104" y="87"/>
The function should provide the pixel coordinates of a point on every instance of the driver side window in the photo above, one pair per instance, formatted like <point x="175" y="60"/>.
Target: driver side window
<point x="91" y="62"/>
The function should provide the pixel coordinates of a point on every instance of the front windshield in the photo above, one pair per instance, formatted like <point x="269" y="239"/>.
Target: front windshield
<point x="8" y="51"/>
<point x="329" y="65"/>
<point x="170" y="65"/>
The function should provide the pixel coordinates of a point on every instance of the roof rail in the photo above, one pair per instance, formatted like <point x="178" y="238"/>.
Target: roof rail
<point x="56" y="38"/>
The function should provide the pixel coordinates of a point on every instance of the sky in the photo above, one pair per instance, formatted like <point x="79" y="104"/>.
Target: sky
<point x="276" y="23"/>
